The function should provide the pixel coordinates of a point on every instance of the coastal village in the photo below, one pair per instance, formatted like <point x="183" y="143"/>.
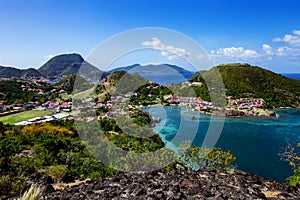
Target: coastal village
<point x="61" y="109"/>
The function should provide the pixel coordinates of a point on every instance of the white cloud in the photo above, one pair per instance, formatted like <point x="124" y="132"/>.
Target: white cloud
<point x="287" y="52"/>
<point x="291" y="39"/>
<point x="297" y="32"/>
<point x="235" y="54"/>
<point x="167" y="50"/>
<point x="267" y="49"/>
<point x="240" y="54"/>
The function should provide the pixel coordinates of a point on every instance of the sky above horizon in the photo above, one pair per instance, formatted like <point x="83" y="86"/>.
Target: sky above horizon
<point x="263" y="33"/>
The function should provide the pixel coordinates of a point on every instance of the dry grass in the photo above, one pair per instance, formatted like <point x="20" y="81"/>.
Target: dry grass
<point x="61" y="186"/>
<point x="271" y="194"/>
<point x="33" y="193"/>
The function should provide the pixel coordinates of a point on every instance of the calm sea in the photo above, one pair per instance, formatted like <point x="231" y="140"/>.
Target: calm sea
<point x="167" y="79"/>
<point x="292" y="75"/>
<point x="256" y="142"/>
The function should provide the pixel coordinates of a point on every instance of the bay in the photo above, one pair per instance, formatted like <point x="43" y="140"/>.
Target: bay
<point x="256" y="142"/>
<point x="167" y="79"/>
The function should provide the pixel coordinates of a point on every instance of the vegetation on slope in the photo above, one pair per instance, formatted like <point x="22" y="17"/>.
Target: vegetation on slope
<point x="69" y="83"/>
<point x="68" y="64"/>
<point x="292" y="156"/>
<point x="151" y="93"/>
<point x="243" y="80"/>
<point x="153" y="69"/>
<point x="12" y="92"/>
<point x="10" y="72"/>
<point x="118" y="83"/>
<point x="65" y="64"/>
<point x="55" y="149"/>
<point x="44" y="148"/>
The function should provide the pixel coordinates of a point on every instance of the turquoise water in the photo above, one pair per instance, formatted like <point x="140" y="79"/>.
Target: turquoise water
<point x="256" y="142"/>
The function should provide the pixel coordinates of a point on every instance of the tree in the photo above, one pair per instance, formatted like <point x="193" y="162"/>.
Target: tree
<point x="291" y="156"/>
<point x="196" y="157"/>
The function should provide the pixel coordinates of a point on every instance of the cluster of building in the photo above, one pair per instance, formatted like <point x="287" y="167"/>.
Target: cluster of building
<point x="56" y="106"/>
<point x="180" y="99"/>
<point x="27" y="78"/>
<point x="198" y="104"/>
<point x="28" y="87"/>
<point x="3" y="106"/>
<point x="247" y="104"/>
<point x="191" y="101"/>
<point x="46" y="118"/>
<point x="35" y="120"/>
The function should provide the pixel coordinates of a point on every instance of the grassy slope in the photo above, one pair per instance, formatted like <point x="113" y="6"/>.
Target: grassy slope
<point x="15" y="118"/>
<point x="242" y="80"/>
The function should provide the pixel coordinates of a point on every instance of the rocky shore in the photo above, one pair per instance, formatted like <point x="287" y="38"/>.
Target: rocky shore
<point x="176" y="184"/>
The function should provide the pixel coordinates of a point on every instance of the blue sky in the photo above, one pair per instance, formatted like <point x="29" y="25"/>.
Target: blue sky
<point x="263" y="33"/>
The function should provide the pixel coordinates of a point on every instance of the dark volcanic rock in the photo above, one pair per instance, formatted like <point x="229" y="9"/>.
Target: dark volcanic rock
<point x="179" y="184"/>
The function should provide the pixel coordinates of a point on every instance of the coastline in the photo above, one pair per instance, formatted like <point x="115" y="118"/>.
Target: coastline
<point x="228" y="112"/>
<point x="249" y="138"/>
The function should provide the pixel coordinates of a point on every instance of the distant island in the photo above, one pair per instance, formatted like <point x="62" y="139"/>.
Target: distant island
<point x="153" y="69"/>
<point x="64" y="65"/>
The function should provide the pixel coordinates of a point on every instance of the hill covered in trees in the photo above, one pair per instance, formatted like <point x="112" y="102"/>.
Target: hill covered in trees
<point x="12" y="92"/>
<point x="56" y="68"/>
<point x="67" y="84"/>
<point x="11" y="72"/>
<point x="243" y="80"/>
<point x="153" y="69"/>
<point x="119" y="83"/>
<point x="68" y="64"/>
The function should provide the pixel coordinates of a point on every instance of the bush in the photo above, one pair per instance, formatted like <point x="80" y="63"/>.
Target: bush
<point x="291" y="156"/>
<point x="196" y="157"/>
<point x="294" y="180"/>
<point x="57" y="172"/>
<point x="5" y="184"/>
<point x="11" y="185"/>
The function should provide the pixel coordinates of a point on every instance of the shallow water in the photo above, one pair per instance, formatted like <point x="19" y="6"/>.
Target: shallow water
<point x="256" y="142"/>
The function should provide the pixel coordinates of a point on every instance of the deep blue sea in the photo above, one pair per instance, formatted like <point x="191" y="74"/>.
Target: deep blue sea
<point x="256" y="142"/>
<point x="292" y="75"/>
<point x="167" y="79"/>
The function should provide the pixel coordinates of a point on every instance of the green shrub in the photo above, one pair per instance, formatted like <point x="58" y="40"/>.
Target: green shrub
<point x="57" y="172"/>
<point x="196" y="157"/>
<point x="5" y="182"/>
<point x="294" y="180"/>
<point x="291" y="156"/>
<point x="11" y="185"/>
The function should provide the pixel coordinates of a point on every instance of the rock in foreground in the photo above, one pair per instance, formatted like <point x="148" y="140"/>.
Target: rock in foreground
<point x="179" y="184"/>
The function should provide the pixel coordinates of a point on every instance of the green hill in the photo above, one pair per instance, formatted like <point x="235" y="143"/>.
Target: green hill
<point x="11" y="72"/>
<point x="243" y="80"/>
<point x="153" y="69"/>
<point x="68" y="64"/>
<point x="67" y="84"/>
<point x="11" y="92"/>
<point x="119" y="83"/>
